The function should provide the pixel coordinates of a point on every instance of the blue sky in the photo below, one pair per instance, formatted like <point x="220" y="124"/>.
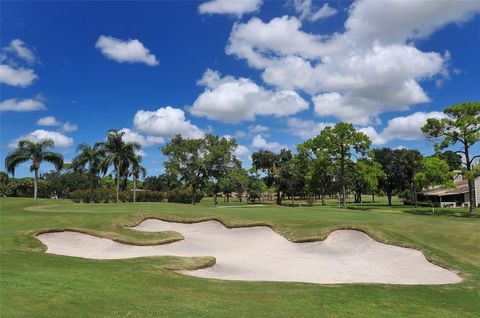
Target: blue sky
<point x="270" y="73"/>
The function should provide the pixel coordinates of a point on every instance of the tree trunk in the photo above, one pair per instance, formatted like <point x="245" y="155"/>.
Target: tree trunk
<point x="414" y="194"/>
<point x="279" y="199"/>
<point x="323" y="198"/>
<point x="228" y="197"/>
<point x="373" y="197"/>
<point x="471" y="182"/>
<point x="194" y="195"/>
<point x="215" y="202"/>
<point x="134" y="189"/>
<point x="35" y="185"/>
<point x="344" y="194"/>
<point x="118" y="181"/>
<point x="92" y="181"/>
<point x="389" y="196"/>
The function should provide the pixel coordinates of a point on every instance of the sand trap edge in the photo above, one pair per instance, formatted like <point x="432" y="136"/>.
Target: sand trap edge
<point x="323" y="237"/>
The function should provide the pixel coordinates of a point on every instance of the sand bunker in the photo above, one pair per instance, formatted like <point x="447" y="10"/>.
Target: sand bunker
<point x="260" y="254"/>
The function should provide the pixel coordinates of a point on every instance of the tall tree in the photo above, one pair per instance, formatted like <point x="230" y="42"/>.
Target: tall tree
<point x="392" y="165"/>
<point x="136" y="170"/>
<point x="89" y="161"/>
<point x="341" y="143"/>
<point x="366" y="175"/>
<point x="219" y="159"/>
<point x="318" y="167"/>
<point x="281" y="172"/>
<point x="453" y="159"/>
<point x="116" y="155"/>
<point x="36" y="152"/>
<point x="186" y="160"/>
<point x="411" y="164"/>
<point x="267" y="162"/>
<point x="461" y="126"/>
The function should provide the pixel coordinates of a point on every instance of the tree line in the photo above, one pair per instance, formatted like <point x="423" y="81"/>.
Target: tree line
<point x="336" y="162"/>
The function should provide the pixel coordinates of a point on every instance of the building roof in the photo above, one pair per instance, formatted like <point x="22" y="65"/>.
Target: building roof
<point x="462" y="187"/>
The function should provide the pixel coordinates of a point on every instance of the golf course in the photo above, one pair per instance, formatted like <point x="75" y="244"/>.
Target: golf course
<point x="39" y="284"/>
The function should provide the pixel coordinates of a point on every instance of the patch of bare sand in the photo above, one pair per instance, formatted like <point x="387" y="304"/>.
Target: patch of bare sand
<point x="260" y="254"/>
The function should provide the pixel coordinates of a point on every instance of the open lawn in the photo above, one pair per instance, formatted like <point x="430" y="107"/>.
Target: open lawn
<point x="35" y="284"/>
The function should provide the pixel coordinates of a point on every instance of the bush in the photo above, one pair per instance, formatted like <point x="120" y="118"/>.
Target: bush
<point x="183" y="195"/>
<point x="108" y="195"/>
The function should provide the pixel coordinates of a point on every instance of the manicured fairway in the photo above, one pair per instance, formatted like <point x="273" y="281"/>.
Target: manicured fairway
<point x="35" y="284"/>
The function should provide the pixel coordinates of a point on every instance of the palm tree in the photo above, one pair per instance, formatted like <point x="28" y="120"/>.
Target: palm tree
<point x="89" y="161"/>
<point x="116" y="154"/>
<point x="136" y="170"/>
<point x="36" y="152"/>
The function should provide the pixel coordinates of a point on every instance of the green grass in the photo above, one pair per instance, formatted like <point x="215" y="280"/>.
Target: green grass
<point x="35" y="284"/>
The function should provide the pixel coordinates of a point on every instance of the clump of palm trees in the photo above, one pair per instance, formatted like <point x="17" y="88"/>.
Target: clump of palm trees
<point x="36" y="153"/>
<point x="112" y="154"/>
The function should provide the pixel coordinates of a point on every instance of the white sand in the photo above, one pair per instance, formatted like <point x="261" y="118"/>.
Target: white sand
<point x="260" y="254"/>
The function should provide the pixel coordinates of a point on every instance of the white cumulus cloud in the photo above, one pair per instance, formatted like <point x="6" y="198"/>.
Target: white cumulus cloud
<point x="371" y="67"/>
<point x="22" y="105"/>
<point x="48" y="121"/>
<point x="305" y="129"/>
<point x="307" y="11"/>
<point x="165" y="122"/>
<point x="233" y="7"/>
<point x="20" y="76"/>
<point x="19" y="48"/>
<point x="232" y="100"/>
<point x="131" y="51"/>
<point x="402" y="128"/>
<point x="59" y="139"/>
<point x="259" y="142"/>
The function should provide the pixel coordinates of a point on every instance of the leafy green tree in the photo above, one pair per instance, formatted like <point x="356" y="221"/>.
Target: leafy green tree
<point x="435" y="172"/>
<point x="255" y="187"/>
<point x="453" y="159"/>
<point x="116" y="154"/>
<point x="341" y="143"/>
<point x="163" y="182"/>
<point x="393" y="166"/>
<point x="219" y="159"/>
<point x="366" y="176"/>
<point x="411" y="164"/>
<point x="186" y="160"/>
<point x="89" y="161"/>
<point x="280" y="171"/>
<point x="267" y="162"/>
<point x="236" y="180"/>
<point x="136" y="170"/>
<point x="461" y="126"/>
<point x="36" y="152"/>
<point x="318" y="168"/>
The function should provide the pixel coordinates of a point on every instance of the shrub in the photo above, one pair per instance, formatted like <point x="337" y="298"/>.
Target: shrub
<point x="182" y="195"/>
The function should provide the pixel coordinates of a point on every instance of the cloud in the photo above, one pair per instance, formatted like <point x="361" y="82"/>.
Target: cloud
<point x="21" y="76"/>
<point x="60" y="139"/>
<point x="145" y="141"/>
<point x="235" y="7"/>
<point x="165" y="122"/>
<point x="22" y="105"/>
<point x="131" y="51"/>
<point x="306" y="11"/>
<point x="18" y="47"/>
<point x="48" y="121"/>
<point x="259" y="142"/>
<point x="257" y="129"/>
<point x="52" y="121"/>
<point x="305" y="129"/>
<point x="68" y="127"/>
<point x="402" y="128"/>
<point x="232" y="100"/>
<point x="370" y="68"/>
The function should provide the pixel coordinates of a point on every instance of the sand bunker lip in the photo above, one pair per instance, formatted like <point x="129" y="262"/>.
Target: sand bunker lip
<point x="258" y="253"/>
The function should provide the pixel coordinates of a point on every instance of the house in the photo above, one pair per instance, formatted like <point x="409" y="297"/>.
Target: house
<point x="453" y="197"/>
